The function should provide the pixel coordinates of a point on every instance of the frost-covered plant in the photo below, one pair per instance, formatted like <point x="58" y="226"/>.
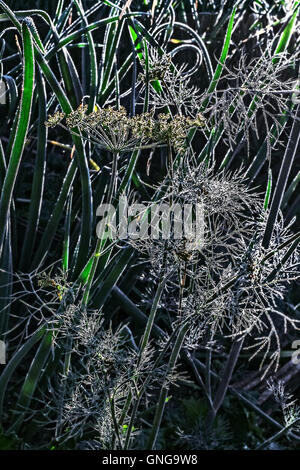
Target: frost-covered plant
<point x="178" y="93"/>
<point x="229" y="284"/>
<point x="290" y="408"/>
<point x="88" y="399"/>
<point x="258" y="91"/>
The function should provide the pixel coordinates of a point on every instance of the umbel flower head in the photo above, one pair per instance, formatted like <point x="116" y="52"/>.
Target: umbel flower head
<point x="112" y="129"/>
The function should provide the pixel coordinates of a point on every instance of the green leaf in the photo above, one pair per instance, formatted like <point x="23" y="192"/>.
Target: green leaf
<point x="268" y="190"/>
<point x="17" y="358"/>
<point x="31" y="380"/>
<point x="112" y="39"/>
<point x="290" y="191"/>
<point x="224" y="54"/>
<point x="66" y="244"/>
<point x="285" y="169"/>
<point x="55" y="218"/>
<point x="21" y="131"/>
<point x="93" y="62"/>
<point x="287" y="33"/>
<point x="38" y="178"/>
<point x="113" y="277"/>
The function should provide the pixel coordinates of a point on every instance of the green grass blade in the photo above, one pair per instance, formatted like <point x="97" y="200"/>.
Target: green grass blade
<point x="218" y="70"/>
<point x="21" y="131"/>
<point x="290" y="191"/>
<point x="284" y="259"/>
<point x="38" y="178"/>
<point x="5" y="283"/>
<point x="287" y="162"/>
<point x="31" y="380"/>
<point x="2" y="163"/>
<point x="55" y="218"/>
<point x="66" y="245"/>
<point x="286" y="35"/>
<point x="268" y="190"/>
<point x="12" y="95"/>
<point x="93" y="62"/>
<point x="81" y="159"/>
<point x="224" y="54"/>
<point x="113" y="277"/>
<point x="113" y="37"/>
<point x="17" y="358"/>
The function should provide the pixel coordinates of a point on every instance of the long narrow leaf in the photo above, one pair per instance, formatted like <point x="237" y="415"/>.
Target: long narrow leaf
<point x="22" y="129"/>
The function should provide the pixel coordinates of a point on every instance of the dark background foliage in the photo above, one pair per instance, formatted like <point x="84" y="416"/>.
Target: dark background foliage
<point x="122" y="284"/>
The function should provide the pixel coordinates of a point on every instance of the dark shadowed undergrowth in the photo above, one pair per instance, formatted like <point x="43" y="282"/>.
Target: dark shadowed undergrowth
<point x="149" y="342"/>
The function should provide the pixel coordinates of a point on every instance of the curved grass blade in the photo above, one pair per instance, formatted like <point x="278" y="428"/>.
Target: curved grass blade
<point x="223" y="56"/>
<point x="12" y="95"/>
<point x="17" y="358"/>
<point x="31" y="381"/>
<point x="21" y="131"/>
<point x="86" y="225"/>
<point x="132" y="310"/>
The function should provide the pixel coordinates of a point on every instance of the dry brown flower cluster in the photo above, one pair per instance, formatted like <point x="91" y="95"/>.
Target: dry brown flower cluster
<point x="113" y="130"/>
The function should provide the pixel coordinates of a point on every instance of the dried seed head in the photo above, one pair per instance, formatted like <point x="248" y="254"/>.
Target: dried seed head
<point x="113" y="130"/>
<point x="55" y="119"/>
